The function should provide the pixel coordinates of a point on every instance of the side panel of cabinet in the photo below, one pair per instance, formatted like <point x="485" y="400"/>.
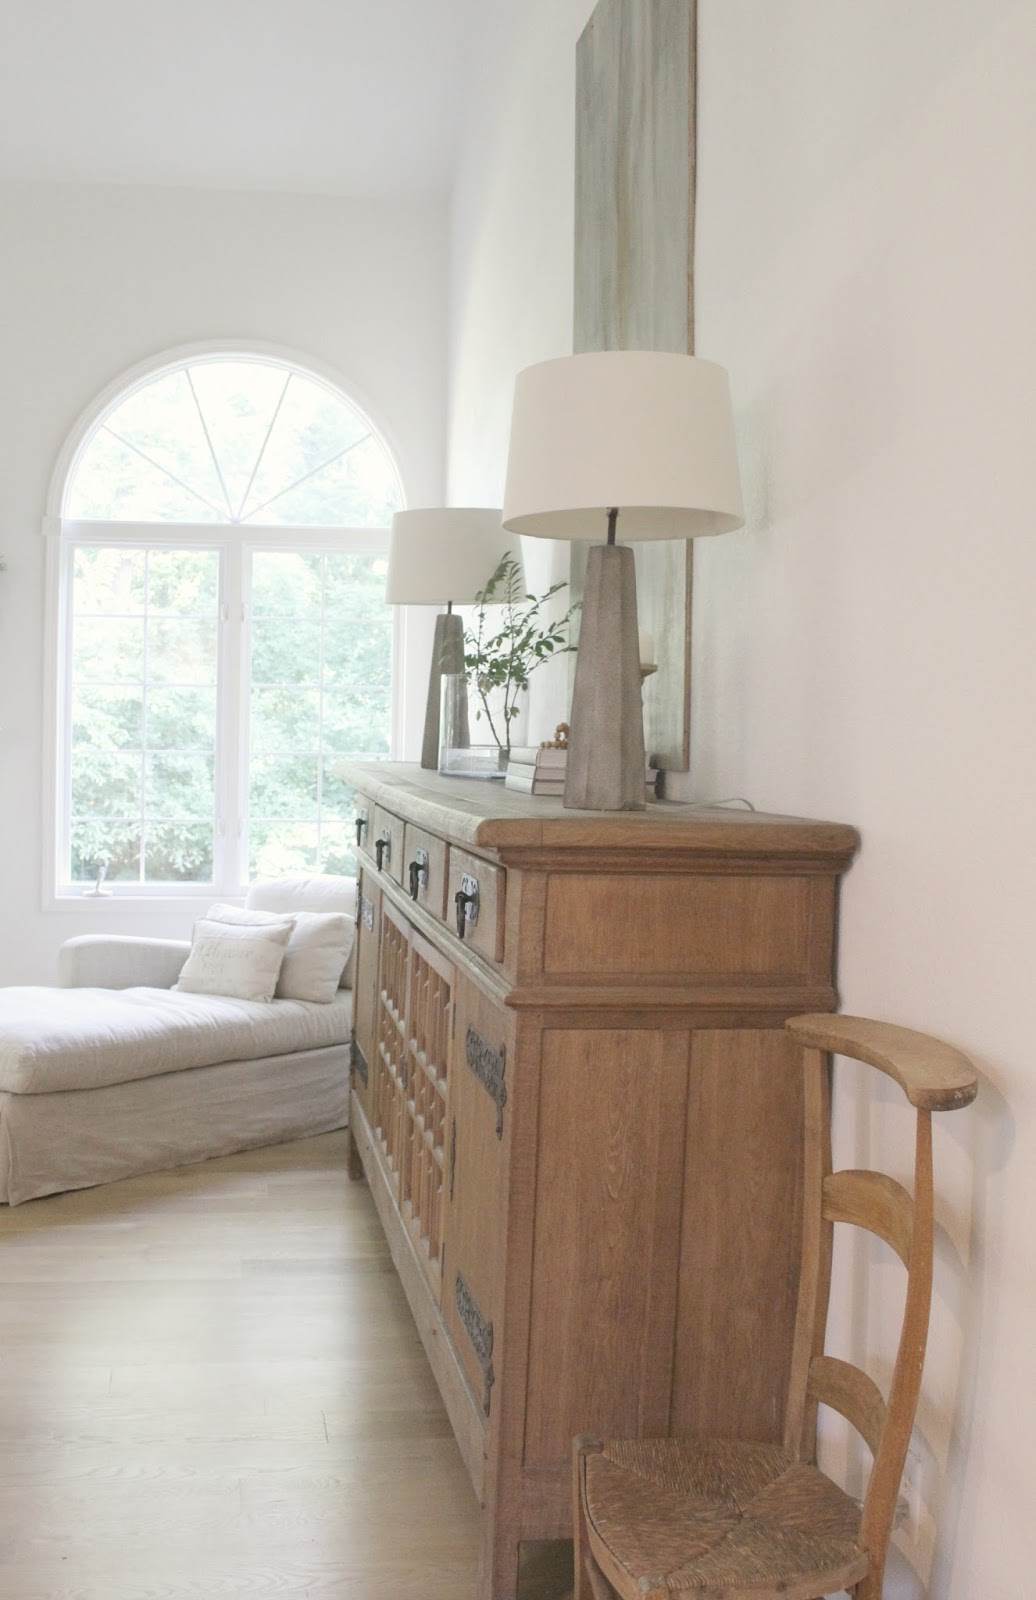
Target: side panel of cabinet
<point x="365" y="985"/>
<point x="605" y="1235"/>
<point x="477" y="1154"/>
<point x="739" y="1242"/>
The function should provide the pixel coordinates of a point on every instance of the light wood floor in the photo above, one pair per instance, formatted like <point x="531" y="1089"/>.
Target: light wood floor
<point x="211" y="1385"/>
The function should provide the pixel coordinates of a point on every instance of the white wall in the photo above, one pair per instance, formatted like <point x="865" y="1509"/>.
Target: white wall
<point x="513" y="264"/>
<point x="864" y="649"/>
<point x="96" y="279"/>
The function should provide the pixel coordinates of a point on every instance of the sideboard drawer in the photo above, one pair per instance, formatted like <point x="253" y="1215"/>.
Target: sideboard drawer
<point x="424" y="869"/>
<point x="387" y="831"/>
<point x="479" y="922"/>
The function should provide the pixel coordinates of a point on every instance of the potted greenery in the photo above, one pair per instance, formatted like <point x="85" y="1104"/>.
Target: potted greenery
<point x="507" y="639"/>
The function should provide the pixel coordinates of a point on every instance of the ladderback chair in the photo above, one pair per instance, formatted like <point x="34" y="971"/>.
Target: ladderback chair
<point x="716" y="1519"/>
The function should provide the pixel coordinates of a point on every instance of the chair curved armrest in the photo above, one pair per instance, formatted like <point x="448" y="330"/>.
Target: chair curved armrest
<point x="933" y="1075"/>
<point x="115" y="961"/>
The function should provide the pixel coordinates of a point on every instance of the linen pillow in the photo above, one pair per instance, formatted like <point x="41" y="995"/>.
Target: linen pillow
<point x="236" y="953"/>
<point x="316" y="955"/>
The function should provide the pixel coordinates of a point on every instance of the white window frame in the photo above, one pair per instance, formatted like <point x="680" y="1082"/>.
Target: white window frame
<point x="235" y="542"/>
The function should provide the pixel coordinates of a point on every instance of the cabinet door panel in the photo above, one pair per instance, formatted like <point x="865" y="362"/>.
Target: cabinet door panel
<point x="425" y="1066"/>
<point x="388" y="1067"/>
<point x="473" y="1272"/>
<point x="365" y="980"/>
<point x="739" y="1247"/>
<point x="606" y="1229"/>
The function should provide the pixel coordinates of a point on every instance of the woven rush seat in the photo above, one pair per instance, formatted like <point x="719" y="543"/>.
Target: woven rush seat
<point x="711" y="1517"/>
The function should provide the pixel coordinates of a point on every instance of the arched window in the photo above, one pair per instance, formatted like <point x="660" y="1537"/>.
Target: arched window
<point x="224" y="638"/>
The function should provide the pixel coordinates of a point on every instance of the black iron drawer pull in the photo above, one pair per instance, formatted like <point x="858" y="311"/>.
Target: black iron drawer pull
<point x="418" y="873"/>
<point x="466" y="901"/>
<point x="383" y="849"/>
<point x="361" y="827"/>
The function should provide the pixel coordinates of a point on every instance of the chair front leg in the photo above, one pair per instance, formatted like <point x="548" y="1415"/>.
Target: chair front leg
<point x="590" y="1582"/>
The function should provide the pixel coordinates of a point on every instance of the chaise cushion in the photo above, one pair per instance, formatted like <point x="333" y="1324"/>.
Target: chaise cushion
<point x="235" y="952"/>
<point x="89" y="1038"/>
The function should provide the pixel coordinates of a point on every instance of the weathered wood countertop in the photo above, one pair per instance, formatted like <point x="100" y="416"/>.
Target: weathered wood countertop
<point x="488" y="815"/>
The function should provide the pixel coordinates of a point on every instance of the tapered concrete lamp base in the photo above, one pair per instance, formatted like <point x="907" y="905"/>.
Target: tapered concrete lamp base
<point x="605" y="767"/>
<point x="447" y="656"/>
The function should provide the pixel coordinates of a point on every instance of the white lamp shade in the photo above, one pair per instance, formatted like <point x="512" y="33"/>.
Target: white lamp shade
<point x="445" y="554"/>
<point x="648" y="432"/>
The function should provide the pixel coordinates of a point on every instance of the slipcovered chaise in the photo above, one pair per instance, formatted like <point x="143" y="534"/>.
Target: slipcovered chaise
<point x="117" y="1072"/>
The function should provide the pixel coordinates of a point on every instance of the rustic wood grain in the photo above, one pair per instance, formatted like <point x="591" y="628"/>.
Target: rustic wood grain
<point x="607" y="1211"/>
<point x="639" y="975"/>
<point x="739" y="1252"/>
<point x="745" y="1519"/>
<point x="933" y="1075"/>
<point x="431" y="893"/>
<point x="211" y="1385"/>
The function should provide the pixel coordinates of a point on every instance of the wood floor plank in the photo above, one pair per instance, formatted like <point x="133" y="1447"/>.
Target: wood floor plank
<point x="211" y="1387"/>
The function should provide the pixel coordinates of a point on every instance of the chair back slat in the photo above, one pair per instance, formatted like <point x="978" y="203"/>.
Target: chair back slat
<point x="852" y="1394"/>
<point x="874" y="1201"/>
<point x="934" y="1077"/>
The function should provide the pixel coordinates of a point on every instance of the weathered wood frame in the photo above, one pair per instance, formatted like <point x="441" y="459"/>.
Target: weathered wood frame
<point x="634" y="278"/>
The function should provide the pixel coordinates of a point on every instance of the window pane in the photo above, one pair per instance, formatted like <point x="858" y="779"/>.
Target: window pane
<point x="356" y="587"/>
<point x="114" y="845"/>
<point x="338" y="848"/>
<point x="313" y="427"/>
<point x="285" y="651"/>
<point x="181" y="719"/>
<point x="108" y="719"/>
<point x="183" y="582"/>
<point x="182" y="651"/>
<point x="229" y="440"/>
<point x="161" y="423"/>
<point x="285" y="585"/>
<point x="104" y="783"/>
<point x="356" y="490"/>
<point x="142" y="766"/>
<point x="108" y="581"/>
<point x="279" y="848"/>
<point x="175" y="853"/>
<point x="285" y="720"/>
<point x="239" y="401"/>
<point x="116" y="484"/>
<point x="283" y="786"/>
<point x="178" y="786"/>
<point x="335" y="630"/>
<point x="107" y="650"/>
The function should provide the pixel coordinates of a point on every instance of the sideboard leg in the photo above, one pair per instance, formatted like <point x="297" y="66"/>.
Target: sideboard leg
<point x="498" y="1567"/>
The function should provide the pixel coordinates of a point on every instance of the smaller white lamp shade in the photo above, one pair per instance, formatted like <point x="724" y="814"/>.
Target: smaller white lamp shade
<point x="445" y="555"/>
<point x="643" y="430"/>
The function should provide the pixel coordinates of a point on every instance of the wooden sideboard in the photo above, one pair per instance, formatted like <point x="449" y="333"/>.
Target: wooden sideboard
<point x="580" y="1115"/>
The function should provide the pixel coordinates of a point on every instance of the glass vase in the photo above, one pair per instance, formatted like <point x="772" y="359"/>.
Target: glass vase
<point x="467" y="745"/>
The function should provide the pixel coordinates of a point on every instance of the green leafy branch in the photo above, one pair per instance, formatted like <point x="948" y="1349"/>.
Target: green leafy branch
<point x="504" y="659"/>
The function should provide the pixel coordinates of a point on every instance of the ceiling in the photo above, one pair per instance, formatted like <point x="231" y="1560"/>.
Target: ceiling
<point x="345" y="97"/>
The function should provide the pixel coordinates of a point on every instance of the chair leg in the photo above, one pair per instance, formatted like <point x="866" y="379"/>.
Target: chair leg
<point x="590" y="1582"/>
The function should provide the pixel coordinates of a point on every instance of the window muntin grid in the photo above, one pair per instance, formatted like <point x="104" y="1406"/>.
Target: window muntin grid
<point x="238" y="441"/>
<point x="303" y="452"/>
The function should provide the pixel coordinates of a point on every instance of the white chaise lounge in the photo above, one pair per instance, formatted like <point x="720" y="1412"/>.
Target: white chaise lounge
<point x="117" y="1073"/>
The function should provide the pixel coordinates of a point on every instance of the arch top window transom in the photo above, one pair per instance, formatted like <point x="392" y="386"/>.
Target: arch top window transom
<point x="234" y="440"/>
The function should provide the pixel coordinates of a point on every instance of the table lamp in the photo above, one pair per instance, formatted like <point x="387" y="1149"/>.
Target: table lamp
<point x="444" y="556"/>
<point x="628" y="444"/>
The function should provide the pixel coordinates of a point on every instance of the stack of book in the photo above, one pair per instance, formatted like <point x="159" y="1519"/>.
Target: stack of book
<point x="537" y="770"/>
